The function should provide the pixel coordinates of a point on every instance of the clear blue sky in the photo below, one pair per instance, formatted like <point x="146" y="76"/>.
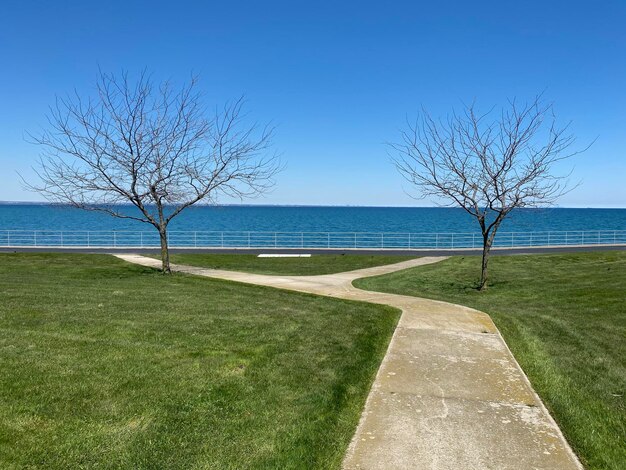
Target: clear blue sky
<point x="337" y="77"/>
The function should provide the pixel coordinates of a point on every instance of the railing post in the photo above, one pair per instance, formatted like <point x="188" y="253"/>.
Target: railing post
<point x="248" y="239"/>
<point x="195" y="239"/>
<point x="275" y="239"/>
<point x="222" y="233"/>
<point x="382" y="240"/>
<point x="301" y="239"/>
<point x="566" y="243"/>
<point x="114" y="239"/>
<point x="8" y="238"/>
<point x="409" y="240"/>
<point x="62" y="238"/>
<point x="453" y="241"/>
<point x="35" y="236"/>
<point x="437" y="240"/>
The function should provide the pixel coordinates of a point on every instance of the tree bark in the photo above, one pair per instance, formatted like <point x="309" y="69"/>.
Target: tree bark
<point x="165" y="253"/>
<point x="487" y="241"/>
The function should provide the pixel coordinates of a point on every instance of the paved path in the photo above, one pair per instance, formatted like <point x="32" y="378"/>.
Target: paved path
<point x="448" y="394"/>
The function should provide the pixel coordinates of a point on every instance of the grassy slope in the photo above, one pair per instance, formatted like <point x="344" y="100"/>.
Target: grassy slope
<point x="564" y="317"/>
<point x="316" y="264"/>
<point x="109" y="365"/>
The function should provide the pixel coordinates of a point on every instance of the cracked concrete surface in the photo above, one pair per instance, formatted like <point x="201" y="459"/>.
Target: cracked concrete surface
<point x="448" y="394"/>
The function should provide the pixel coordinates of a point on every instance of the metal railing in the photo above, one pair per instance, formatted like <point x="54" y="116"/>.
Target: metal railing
<point x="328" y="240"/>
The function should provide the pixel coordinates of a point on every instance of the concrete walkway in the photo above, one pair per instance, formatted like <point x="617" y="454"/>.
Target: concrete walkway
<point x="448" y="394"/>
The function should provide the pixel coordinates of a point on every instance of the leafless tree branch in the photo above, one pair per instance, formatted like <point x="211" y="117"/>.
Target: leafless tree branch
<point x="487" y="166"/>
<point x="153" y="146"/>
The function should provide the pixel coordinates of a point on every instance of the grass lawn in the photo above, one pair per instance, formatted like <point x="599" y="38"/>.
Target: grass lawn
<point x="564" y="318"/>
<point x="316" y="264"/>
<point x="110" y="365"/>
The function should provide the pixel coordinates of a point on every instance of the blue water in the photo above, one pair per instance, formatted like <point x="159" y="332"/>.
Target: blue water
<point x="313" y="219"/>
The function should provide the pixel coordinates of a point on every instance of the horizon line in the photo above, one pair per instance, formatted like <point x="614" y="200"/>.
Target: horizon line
<point x="48" y="203"/>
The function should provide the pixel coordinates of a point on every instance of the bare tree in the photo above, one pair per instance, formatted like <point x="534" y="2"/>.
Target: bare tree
<point x="488" y="165"/>
<point x="153" y="146"/>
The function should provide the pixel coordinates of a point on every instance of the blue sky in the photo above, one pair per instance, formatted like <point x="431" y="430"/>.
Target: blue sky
<point x="338" y="78"/>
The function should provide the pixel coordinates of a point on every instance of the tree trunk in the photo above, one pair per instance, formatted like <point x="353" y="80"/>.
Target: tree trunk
<point x="165" y="253"/>
<point x="487" y="241"/>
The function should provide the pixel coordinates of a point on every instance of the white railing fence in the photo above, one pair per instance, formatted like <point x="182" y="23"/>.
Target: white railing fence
<point x="337" y="240"/>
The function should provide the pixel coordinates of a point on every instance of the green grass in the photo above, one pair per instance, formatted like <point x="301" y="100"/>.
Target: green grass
<point x="104" y="364"/>
<point x="564" y="318"/>
<point x="316" y="264"/>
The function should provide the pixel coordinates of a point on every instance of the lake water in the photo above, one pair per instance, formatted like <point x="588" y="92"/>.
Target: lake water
<point x="313" y="219"/>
